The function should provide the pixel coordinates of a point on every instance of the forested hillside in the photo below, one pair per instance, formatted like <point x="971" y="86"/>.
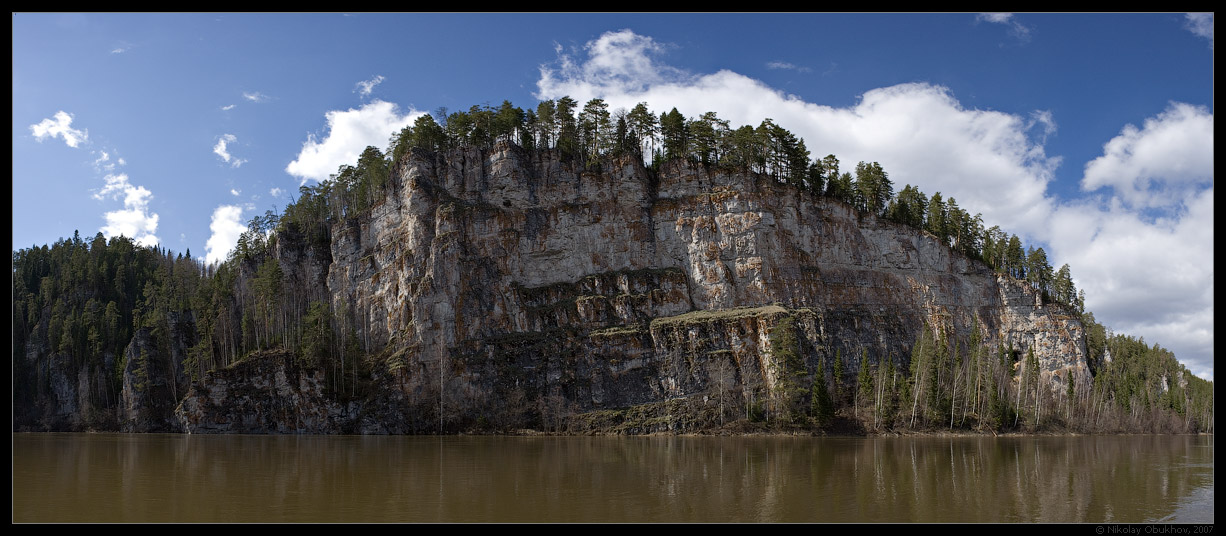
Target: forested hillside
<point x="79" y="306"/>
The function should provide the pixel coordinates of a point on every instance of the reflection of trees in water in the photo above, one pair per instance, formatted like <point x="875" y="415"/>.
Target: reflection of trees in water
<point x="1063" y="479"/>
<point x="976" y="479"/>
<point x="173" y="478"/>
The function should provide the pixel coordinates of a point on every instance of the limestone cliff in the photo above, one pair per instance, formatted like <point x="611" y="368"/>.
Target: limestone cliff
<point x="501" y="281"/>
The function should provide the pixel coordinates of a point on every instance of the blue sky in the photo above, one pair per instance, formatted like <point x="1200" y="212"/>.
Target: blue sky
<point x="1089" y="135"/>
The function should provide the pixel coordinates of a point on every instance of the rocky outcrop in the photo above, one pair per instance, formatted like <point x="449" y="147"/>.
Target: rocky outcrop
<point x="265" y="393"/>
<point x="510" y="288"/>
<point x="506" y="274"/>
<point x="153" y="377"/>
<point x="63" y="392"/>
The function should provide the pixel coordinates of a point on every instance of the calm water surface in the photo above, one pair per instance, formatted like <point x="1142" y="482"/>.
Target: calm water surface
<point x="191" y="478"/>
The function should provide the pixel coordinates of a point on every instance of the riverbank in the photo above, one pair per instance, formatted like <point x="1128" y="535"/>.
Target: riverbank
<point x="675" y="418"/>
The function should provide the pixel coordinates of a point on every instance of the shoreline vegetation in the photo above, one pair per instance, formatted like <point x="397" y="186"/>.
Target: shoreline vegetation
<point x="830" y="435"/>
<point x="117" y="324"/>
<point x="844" y="426"/>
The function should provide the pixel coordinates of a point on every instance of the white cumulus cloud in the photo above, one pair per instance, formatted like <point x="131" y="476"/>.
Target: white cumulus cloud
<point x="621" y="61"/>
<point x="366" y="86"/>
<point x="60" y="125"/>
<point x="349" y="133"/>
<point x="1157" y="165"/>
<point x="1144" y="247"/>
<point x="134" y="220"/>
<point x="226" y="225"/>
<point x="1143" y="276"/>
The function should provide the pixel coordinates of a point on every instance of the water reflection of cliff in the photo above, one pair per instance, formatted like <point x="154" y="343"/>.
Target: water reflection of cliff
<point x="144" y="478"/>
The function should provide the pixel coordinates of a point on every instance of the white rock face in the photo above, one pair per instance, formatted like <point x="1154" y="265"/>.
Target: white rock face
<point x="479" y="248"/>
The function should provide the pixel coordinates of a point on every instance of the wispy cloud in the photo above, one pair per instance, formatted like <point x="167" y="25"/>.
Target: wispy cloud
<point x="255" y="96"/>
<point x="999" y="18"/>
<point x="228" y="107"/>
<point x="134" y="221"/>
<point x="121" y="48"/>
<point x="226" y="226"/>
<point x="103" y="163"/>
<point x="1015" y="27"/>
<point x="220" y="150"/>
<point x="349" y="133"/>
<point x="60" y="125"/>
<point x="1201" y="24"/>
<point x="234" y="192"/>
<point x="1044" y="119"/>
<point x="364" y="87"/>
<point x="786" y="66"/>
<point x="276" y="192"/>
